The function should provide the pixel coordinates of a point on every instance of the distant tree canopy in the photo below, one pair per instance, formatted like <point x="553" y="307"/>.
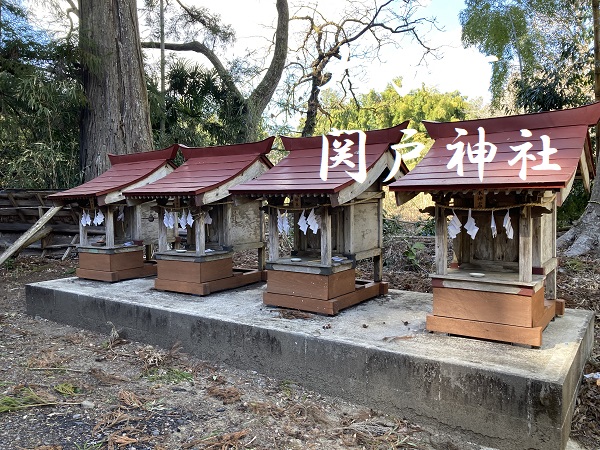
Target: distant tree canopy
<point x="40" y="99"/>
<point x="543" y="50"/>
<point x="375" y="110"/>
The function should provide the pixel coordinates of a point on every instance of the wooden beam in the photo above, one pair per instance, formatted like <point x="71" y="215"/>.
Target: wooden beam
<point x="200" y="234"/>
<point x="325" y="237"/>
<point x="19" y="243"/>
<point x="163" y="244"/>
<point x="109" y="221"/>
<point x="525" y="245"/>
<point x="348" y="229"/>
<point x="274" y="235"/>
<point x="262" y="257"/>
<point x="441" y="241"/>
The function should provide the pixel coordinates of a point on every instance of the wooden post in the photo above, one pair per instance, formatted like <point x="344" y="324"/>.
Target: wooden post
<point x="136" y="232"/>
<point x="537" y="238"/>
<point x="83" y="234"/>
<point x="163" y="245"/>
<point x="525" y="245"/>
<point x="551" y="240"/>
<point x="349" y="229"/>
<point x="274" y="235"/>
<point x="378" y="259"/>
<point x="262" y="257"/>
<point x="226" y="224"/>
<point x="200" y="234"/>
<point x="325" y="236"/>
<point x="441" y="241"/>
<point x="109" y="226"/>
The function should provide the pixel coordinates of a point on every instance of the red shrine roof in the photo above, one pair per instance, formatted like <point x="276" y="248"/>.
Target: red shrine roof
<point x="299" y="171"/>
<point x="206" y="169"/>
<point x="559" y="146"/>
<point x="126" y="170"/>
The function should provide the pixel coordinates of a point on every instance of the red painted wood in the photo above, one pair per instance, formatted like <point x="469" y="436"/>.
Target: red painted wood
<point x="206" y="169"/>
<point x="125" y="171"/>
<point x="299" y="171"/>
<point x="567" y="130"/>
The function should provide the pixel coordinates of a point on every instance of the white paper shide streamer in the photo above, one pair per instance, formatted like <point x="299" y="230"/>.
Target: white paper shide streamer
<point x="207" y="218"/>
<point x="283" y="225"/>
<point x="454" y="226"/>
<point x="86" y="219"/>
<point x="98" y="218"/>
<point x="169" y="219"/>
<point x="470" y="226"/>
<point x="508" y="226"/>
<point x="313" y="221"/>
<point x="182" y="220"/>
<point x="190" y="218"/>
<point x="302" y="223"/>
<point x="494" y="229"/>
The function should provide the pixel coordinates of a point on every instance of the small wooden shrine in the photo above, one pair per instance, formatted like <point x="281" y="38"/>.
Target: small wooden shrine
<point x="120" y="255"/>
<point x="195" y="198"/>
<point x="500" y="180"/>
<point x="336" y="220"/>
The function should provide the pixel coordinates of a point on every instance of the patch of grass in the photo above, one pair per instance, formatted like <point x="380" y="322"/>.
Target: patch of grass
<point x="168" y="375"/>
<point x="24" y="397"/>
<point x="9" y="264"/>
<point x="67" y="389"/>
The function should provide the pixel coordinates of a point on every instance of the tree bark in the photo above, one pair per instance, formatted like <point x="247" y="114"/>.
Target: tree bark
<point x="584" y="237"/>
<point x="117" y="116"/>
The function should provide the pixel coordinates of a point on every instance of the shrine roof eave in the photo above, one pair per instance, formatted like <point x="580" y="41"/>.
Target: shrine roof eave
<point x="127" y="171"/>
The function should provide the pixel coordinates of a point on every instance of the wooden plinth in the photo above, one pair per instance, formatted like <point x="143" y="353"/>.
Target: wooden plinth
<point x="113" y="265"/>
<point x="323" y="294"/>
<point x="202" y="278"/>
<point x="496" y="316"/>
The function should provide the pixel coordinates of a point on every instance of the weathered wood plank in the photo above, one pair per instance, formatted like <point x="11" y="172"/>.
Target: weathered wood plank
<point x="525" y="245"/>
<point x="19" y="243"/>
<point x="441" y="242"/>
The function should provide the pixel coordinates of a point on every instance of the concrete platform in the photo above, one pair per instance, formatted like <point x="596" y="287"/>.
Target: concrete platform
<point x="376" y="354"/>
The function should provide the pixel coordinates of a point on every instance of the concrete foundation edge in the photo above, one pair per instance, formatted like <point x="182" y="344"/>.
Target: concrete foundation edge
<point x="488" y="408"/>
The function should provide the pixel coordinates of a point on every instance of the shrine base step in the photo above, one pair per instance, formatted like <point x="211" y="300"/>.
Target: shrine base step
<point x="241" y="277"/>
<point x="364" y="290"/>
<point x="147" y="270"/>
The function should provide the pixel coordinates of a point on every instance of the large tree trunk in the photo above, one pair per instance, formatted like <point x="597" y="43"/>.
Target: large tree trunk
<point x="584" y="237"/>
<point x="117" y="116"/>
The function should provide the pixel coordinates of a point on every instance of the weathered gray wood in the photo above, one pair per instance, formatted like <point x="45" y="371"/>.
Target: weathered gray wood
<point x="83" y="232"/>
<point x="441" y="241"/>
<point x="274" y="235"/>
<point x="70" y="247"/>
<point x="325" y="236"/>
<point x="110" y="227"/>
<point x="262" y="257"/>
<point x="136" y="232"/>
<point x="226" y="224"/>
<point x="537" y="241"/>
<point x="378" y="260"/>
<point x="19" y="243"/>
<point x="349" y="229"/>
<point x="355" y="189"/>
<point x="163" y="244"/>
<point x="525" y="245"/>
<point x="222" y="191"/>
<point x="200" y="234"/>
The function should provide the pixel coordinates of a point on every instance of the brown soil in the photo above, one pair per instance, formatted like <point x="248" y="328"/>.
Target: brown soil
<point x="66" y="388"/>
